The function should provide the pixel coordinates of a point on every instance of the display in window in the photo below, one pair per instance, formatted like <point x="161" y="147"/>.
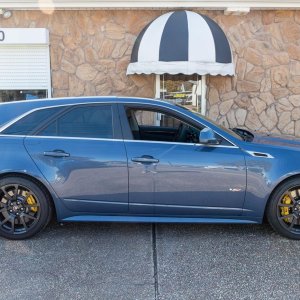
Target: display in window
<point x="181" y="89"/>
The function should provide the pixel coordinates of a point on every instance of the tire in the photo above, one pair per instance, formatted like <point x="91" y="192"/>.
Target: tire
<point x="25" y="208"/>
<point x="283" y="209"/>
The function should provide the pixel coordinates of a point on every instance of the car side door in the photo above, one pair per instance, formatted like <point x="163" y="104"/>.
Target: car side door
<point x="177" y="176"/>
<point x="81" y="154"/>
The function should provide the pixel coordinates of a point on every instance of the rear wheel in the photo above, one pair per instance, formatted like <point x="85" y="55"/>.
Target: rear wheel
<point x="25" y="208"/>
<point x="283" y="211"/>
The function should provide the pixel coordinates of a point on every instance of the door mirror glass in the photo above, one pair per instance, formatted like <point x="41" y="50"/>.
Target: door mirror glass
<point x="207" y="136"/>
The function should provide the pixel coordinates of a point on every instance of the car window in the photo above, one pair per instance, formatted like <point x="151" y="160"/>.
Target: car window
<point x="154" y="118"/>
<point x="156" y="125"/>
<point x="30" y="122"/>
<point x="152" y="125"/>
<point x="84" y="121"/>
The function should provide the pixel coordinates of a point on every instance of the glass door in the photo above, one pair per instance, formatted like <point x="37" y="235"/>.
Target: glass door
<point x="185" y="90"/>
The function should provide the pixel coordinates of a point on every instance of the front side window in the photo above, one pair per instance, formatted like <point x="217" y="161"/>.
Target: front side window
<point x="155" y="125"/>
<point x="84" y="121"/>
<point x="153" y="118"/>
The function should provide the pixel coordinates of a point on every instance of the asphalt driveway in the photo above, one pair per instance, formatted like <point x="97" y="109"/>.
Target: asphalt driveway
<point x="145" y="261"/>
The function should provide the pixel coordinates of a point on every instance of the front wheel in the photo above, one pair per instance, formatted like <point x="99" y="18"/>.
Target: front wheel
<point x="283" y="210"/>
<point x="25" y="208"/>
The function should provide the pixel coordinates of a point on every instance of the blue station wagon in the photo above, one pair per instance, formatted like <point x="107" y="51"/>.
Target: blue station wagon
<point x="139" y="160"/>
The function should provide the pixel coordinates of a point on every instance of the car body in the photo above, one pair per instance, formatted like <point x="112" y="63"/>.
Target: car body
<point x="139" y="160"/>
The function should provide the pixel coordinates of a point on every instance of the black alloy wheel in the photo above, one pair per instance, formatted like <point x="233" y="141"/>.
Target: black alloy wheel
<point x="283" y="211"/>
<point x="25" y="209"/>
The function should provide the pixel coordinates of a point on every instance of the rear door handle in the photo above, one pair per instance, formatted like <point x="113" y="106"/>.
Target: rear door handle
<point x="56" y="153"/>
<point x="145" y="159"/>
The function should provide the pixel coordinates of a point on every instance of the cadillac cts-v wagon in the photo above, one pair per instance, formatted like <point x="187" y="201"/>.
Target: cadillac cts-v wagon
<point x="139" y="160"/>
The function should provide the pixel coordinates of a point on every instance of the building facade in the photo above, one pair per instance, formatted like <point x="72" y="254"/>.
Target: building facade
<point x="85" y="50"/>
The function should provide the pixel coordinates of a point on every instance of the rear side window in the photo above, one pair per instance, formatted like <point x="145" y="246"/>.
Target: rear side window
<point x="30" y="122"/>
<point x="84" y="121"/>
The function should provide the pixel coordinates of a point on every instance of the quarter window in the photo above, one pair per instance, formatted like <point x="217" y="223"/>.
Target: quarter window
<point x="30" y="122"/>
<point x="84" y="121"/>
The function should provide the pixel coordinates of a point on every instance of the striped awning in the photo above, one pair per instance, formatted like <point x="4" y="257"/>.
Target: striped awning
<point x="182" y="42"/>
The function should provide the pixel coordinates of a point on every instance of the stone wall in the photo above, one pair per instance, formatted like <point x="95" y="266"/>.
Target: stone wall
<point x="265" y="93"/>
<point x="90" y="51"/>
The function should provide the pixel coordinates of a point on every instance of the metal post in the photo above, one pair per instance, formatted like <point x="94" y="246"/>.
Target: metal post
<point x="203" y="95"/>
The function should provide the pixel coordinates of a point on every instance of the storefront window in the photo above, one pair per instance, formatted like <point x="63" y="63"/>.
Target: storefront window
<point x="186" y="90"/>
<point x="16" y="95"/>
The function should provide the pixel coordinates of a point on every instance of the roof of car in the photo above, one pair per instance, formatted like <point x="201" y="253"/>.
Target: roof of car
<point x="11" y="110"/>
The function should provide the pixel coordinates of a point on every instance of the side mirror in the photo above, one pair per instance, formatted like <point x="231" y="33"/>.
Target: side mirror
<point x="207" y="136"/>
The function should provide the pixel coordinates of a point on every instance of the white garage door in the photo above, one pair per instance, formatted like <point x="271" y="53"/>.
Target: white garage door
<point x="24" y="64"/>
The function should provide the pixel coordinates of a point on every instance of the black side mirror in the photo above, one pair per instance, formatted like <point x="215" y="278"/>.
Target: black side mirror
<point x="207" y="136"/>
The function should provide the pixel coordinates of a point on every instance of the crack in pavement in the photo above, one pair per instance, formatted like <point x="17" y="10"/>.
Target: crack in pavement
<point x="154" y="253"/>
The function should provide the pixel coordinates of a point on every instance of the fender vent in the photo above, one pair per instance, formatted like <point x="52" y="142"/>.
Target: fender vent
<point x="260" y="154"/>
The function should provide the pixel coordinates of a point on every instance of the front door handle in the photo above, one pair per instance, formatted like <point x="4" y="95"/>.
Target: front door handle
<point x="145" y="159"/>
<point x="56" y="153"/>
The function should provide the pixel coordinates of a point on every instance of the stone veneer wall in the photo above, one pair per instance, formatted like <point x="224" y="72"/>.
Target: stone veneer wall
<point x="90" y="51"/>
<point x="265" y="93"/>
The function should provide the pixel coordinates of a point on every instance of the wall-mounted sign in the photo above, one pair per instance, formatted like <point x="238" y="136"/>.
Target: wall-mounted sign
<point x="24" y="36"/>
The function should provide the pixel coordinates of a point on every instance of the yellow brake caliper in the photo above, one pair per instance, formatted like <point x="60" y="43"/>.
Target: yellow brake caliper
<point x="31" y="201"/>
<point x="285" y="210"/>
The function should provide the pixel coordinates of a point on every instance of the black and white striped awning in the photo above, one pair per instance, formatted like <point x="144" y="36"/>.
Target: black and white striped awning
<point x="181" y="42"/>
